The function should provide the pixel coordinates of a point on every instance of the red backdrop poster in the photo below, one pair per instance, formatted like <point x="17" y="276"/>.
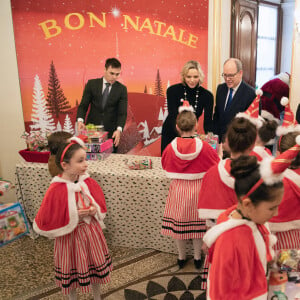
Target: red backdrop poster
<point x="62" y="44"/>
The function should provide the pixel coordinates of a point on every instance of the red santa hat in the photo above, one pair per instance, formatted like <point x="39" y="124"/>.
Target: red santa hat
<point x="273" y="91"/>
<point x="80" y="139"/>
<point x="271" y="169"/>
<point x="252" y="113"/>
<point x="185" y="106"/>
<point x="289" y="123"/>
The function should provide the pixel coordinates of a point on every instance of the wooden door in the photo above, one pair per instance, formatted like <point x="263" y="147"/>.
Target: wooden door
<point x="244" y="35"/>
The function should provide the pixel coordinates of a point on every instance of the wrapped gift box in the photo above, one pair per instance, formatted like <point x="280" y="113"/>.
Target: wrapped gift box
<point x="107" y="146"/>
<point x="35" y="156"/>
<point x="4" y="186"/>
<point x="13" y="223"/>
<point x="99" y="151"/>
<point x="100" y="147"/>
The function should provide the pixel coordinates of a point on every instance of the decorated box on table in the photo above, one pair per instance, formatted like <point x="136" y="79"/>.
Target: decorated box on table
<point x="210" y="138"/>
<point x="99" y="151"/>
<point x="13" y="223"/>
<point x="95" y="133"/>
<point x="139" y="164"/>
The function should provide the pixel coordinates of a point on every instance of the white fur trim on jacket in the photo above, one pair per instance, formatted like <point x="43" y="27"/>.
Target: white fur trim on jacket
<point x="212" y="234"/>
<point x="224" y="175"/>
<point x="209" y="213"/>
<point x="72" y="188"/>
<point x="284" y="226"/>
<point x="187" y="176"/>
<point x="189" y="156"/>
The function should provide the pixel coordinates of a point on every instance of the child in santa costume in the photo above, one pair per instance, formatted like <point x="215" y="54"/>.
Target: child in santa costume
<point x="217" y="189"/>
<point x="266" y="128"/>
<point x="286" y="225"/>
<point x="185" y="160"/>
<point x="240" y="245"/>
<point x="72" y="212"/>
<point x="266" y="134"/>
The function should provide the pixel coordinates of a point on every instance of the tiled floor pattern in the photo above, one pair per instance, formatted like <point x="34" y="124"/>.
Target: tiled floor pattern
<point x="27" y="273"/>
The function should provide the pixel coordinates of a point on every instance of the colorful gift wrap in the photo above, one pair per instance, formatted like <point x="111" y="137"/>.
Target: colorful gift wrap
<point x="93" y="148"/>
<point x="289" y="260"/>
<point x="97" y="156"/>
<point x="4" y="186"/>
<point x="139" y="164"/>
<point x="13" y="223"/>
<point x="210" y="138"/>
<point x="286" y="288"/>
<point x="107" y="146"/>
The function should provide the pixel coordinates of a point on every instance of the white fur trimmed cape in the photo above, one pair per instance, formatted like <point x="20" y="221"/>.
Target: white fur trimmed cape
<point x="188" y="158"/>
<point x="58" y="213"/>
<point x="288" y="217"/>
<point x="217" y="191"/>
<point x="238" y="256"/>
<point x="261" y="152"/>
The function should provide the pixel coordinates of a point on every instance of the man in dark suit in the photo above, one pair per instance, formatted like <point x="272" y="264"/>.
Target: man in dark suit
<point x="107" y="99"/>
<point x="233" y="96"/>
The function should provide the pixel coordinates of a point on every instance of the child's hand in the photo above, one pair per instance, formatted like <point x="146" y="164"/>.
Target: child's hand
<point x="92" y="210"/>
<point x="204" y="248"/>
<point x="83" y="213"/>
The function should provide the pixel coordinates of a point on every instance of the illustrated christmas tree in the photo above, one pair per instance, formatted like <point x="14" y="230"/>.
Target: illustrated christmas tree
<point x="57" y="103"/>
<point x="166" y="104"/>
<point x="145" y="89"/>
<point x="42" y="121"/>
<point x="68" y="125"/>
<point x="58" y="127"/>
<point x="158" y="87"/>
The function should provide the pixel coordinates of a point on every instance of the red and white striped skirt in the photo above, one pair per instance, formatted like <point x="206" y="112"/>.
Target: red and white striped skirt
<point x="81" y="258"/>
<point x="180" y="220"/>
<point x="288" y="240"/>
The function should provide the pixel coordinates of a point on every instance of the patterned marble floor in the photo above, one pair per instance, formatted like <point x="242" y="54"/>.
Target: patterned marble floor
<point x="27" y="273"/>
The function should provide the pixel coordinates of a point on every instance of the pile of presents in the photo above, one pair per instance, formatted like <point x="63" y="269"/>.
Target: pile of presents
<point x="13" y="223"/>
<point x="98" y="145"/>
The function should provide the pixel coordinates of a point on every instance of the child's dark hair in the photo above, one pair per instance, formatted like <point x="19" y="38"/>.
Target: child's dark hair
<point x="68" y="154"/>
<point x="186" y="121"/>
<point x="267" y="131"/>
<point x="245" y="170"/>
<point x="241" y="135"/>
<point x="286" y="142"/>
<point x="56" y="139"/>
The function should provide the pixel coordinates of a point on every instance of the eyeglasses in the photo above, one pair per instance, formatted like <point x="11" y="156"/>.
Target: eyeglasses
<point x="230" y="76"/>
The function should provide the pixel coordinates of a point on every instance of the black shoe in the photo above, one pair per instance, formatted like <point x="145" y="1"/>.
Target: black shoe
<point x="181" y="263"/>
<point x="197" y="263"/>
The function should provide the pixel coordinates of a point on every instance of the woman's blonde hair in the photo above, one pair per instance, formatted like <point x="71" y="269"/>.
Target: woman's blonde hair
<point x="192" y="64"/>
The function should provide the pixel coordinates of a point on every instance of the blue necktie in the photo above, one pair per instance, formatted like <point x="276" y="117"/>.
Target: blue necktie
<point x="105" y="94"/>
<point x="229" y="99"/>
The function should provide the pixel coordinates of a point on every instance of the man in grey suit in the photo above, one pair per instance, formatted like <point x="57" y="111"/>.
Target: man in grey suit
<point x="106" y="99"/>
<point x="233" y="96"/>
